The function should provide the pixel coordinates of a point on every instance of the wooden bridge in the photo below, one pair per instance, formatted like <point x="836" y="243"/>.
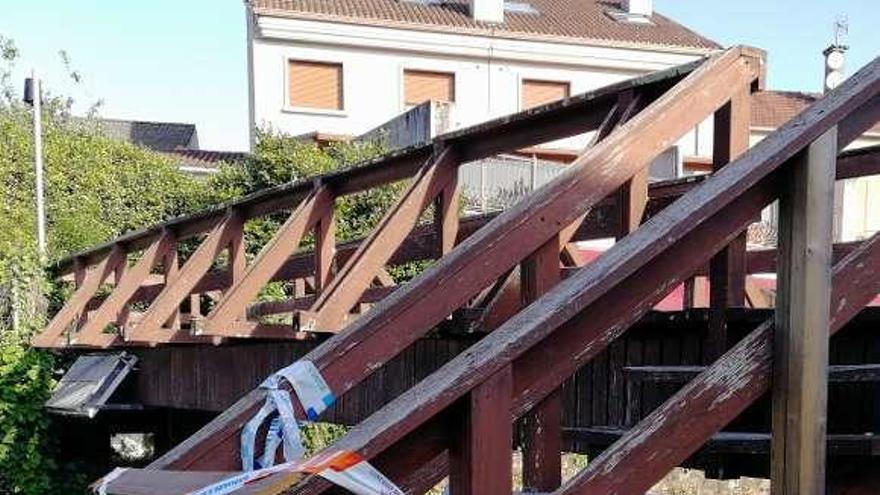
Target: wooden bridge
<point x="527" y="315"/>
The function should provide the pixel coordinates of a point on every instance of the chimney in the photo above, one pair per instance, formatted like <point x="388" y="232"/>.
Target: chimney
<point x="491" y="11"/>
<point x="644" y="8"/>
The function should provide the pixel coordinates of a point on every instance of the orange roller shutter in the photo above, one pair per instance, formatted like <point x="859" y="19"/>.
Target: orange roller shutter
<point x="315" y="85"/>
<point x="421" y="86"/>
<point x="535" y="92"/>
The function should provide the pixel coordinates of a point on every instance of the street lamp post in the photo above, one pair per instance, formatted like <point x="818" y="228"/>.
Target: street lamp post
<point x="33" y="96"/>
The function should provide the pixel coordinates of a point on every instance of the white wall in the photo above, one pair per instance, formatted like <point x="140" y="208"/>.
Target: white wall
<point x="487" y="70"/>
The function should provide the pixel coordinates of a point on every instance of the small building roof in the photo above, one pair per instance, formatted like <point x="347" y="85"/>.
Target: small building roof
<point x="158" y="136"/>
<point x="771" y="109"/>
<point x="579" y="20"/>
<point x="207" y="160"/>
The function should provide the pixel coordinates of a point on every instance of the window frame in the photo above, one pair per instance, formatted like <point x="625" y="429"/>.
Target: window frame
<point x="287" y="107"/>
<point x="522" y="91"/>
<point x="404" y="69"/>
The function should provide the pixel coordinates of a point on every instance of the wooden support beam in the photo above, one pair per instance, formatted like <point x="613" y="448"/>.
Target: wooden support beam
<point x="92" y="333"/>
<point x="677" y="429"/>
<point x="333" y="305"/>
<point x="170" y="271"/>
<point x="234" y="303"/>
<point x="446" y="216"/>
<point x="727" y="274"/>
<point x="325" y="249"/>
<point x="542" y="426"/>
<point x="151" y="328"/>
<point x="480" y="455"/>
<point x="800" y="390"/>
<point x="482" y="259"/>
<point x="89" y="281"/>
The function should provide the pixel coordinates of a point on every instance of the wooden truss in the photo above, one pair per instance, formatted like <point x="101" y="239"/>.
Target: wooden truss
<point x="458" y="421"/>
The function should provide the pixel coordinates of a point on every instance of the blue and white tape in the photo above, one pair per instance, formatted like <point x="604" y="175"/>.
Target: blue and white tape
<point x="315" y="396"/>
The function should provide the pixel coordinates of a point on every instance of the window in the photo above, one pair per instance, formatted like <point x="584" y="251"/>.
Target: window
<point x="315" y="85"/>
<point x="420" y="86"/>
<point x="535" y="92"/>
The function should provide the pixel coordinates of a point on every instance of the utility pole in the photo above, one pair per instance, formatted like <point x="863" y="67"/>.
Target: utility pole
<point x="33" y="96"/>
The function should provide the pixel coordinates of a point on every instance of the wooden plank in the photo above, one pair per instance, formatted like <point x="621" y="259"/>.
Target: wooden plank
<point x="575" y="115"/>
<point x="677" y="429"/>
<point x="541" y="427"/>
<point x="325" y="249"/>
<point x="537" y="322"/>
<point x="232" y="306"/>
<point x="333" y="305"/>
<point x="91" y="281"/>
<point x="800" y="392"/>
<point x="727" y="269"/>
<point x="163" y="308"/>
<point x="480" y="456"/>
<point x="476" y="263"/>
<point x="92" y="334"/>
<point x="446" y="217"/>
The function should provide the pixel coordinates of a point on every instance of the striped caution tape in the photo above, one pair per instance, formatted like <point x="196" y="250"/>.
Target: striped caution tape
<point x="352" y="472"/>
<point x="315" y="396"/>
<point x="342" y="468"/>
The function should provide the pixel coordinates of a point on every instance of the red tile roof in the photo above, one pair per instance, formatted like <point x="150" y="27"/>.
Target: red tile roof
<point x="583" y="20"/>
<point x="771" y="109"/>
<point x="206" y="158"/>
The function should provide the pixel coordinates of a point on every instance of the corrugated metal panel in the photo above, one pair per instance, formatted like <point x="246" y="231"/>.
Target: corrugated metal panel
<point x="535" y="92"/>
<point x="421" y="86"/>
<point x="315" y="85"/>
<point x="496" y="183"/>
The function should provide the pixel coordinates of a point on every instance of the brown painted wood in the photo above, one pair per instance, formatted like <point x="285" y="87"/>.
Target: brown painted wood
<point x="333" y="305"/>
<point x="699" y="410"/>
<point x="233" y="304"/>
<point x="800" y="357"/>
<point x="163" y="308"/>
<point x="92" y="334"/>
<point x="727" y="274"/>
<point x="91" y="281"/>
<point x="325" y="249"/>
<point x="541" y="427"/>
<point x="480" y="456"/>
<point x="446" y="216"/>
<point x="399" y="319"/>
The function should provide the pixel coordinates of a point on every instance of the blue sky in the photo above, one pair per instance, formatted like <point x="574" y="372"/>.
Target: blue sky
<point x="184" y="60"/>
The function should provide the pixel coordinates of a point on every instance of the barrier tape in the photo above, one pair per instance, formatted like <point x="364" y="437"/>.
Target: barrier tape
<point x="315" y="396"/>
<point x="342" y="468"/>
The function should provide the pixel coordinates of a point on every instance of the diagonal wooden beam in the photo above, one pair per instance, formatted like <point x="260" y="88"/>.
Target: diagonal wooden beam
<point x="680" y="426"/>
<point x="168" y="301"/>
<point x="71" y="312"/>
<point x="333" y="305"/>
<point x="234" y="303"/>
<point x="400" y="319"/>
<point x="91" y="333"/>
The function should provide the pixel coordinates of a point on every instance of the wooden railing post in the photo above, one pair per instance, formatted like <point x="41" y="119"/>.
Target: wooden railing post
<point x="325" y="249"/>
<point x="542" y="426"/>
<point x="446" y="216"/>
<point x="800" y="368"/>
<point x="480" y="458"/>
<point x="727" y="277"/>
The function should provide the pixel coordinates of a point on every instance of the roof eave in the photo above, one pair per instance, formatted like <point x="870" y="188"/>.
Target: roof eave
<point x="466" y="31"/>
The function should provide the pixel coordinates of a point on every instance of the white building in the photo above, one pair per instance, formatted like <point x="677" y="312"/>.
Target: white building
<point x="344" y="67"/>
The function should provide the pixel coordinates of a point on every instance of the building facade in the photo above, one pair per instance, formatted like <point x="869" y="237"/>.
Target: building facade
<point x="346" y="67"/>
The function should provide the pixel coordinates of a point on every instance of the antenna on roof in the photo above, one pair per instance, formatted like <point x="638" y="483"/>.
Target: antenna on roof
<point x="835" y="55"/>
<point x="841" y="30"/>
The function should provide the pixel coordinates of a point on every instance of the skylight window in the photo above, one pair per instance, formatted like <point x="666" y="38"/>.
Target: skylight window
<point x="520" y="8"/>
